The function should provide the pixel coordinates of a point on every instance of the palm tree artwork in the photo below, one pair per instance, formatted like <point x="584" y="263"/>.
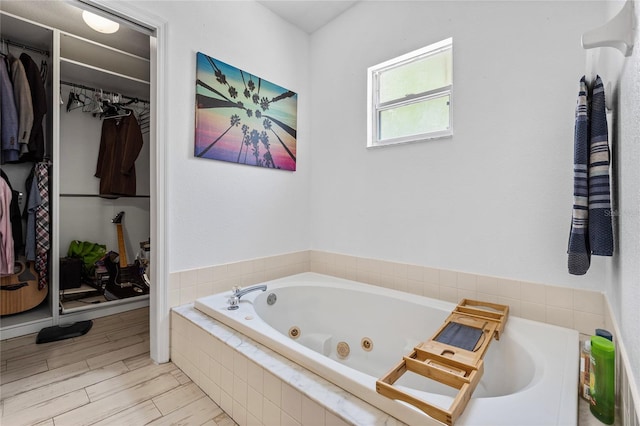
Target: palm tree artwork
<point x="242" y="118"/>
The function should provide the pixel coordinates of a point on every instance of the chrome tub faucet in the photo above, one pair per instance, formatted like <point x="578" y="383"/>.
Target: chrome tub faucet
<point x="237" y="293"/>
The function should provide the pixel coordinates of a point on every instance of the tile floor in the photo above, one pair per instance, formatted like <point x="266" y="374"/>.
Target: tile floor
<point x="102" y="378"/>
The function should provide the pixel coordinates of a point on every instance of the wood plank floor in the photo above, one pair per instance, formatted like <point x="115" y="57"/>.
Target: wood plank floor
<point x="102" y="378"/>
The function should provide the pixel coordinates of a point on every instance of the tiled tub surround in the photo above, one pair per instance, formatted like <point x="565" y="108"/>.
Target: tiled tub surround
<point x="582" y="310"/>
<point x="255" y="385"/>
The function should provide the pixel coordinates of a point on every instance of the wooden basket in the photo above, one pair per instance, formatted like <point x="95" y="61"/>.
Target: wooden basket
<point x="453" y="366"/>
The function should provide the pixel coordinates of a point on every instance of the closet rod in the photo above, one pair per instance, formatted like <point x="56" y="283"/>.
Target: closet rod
<point x="107" y="198"/>
<point x="24" y="46"/>
<point x="93" y="89"/>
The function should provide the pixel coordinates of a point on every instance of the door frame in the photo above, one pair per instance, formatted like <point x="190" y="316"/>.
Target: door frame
<point x="159" y="327"/>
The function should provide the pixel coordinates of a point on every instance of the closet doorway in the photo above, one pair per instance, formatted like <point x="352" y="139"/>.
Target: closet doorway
<point x="146" y="209"/>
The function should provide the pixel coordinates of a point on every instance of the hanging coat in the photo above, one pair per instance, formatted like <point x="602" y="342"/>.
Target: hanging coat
<point x="9" y="117"/>
<point x="22" y="95"/>
<point x="15" y="217"/>
<point x="120" y="144"/>
<point x="39" y="103"/>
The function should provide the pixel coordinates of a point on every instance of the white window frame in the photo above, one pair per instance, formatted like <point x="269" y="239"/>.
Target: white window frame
<point x="374" y="107"/>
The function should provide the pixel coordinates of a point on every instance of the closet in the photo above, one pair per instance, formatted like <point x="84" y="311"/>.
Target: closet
<point x="89" y="84"/>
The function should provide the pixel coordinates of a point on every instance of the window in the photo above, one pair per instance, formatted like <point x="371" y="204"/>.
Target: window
<point x="410" y="96"/>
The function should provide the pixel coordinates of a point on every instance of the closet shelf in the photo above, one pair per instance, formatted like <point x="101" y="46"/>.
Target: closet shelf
<point x="38" y="37"/>
<point x="619" y="32"/>
<point x="106" y="198"/>
<point x="105" y="79"/>
<point x="98" y="55"/>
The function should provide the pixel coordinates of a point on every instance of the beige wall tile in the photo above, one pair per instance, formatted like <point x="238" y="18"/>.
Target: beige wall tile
<point x="258" y="265"/>
<point x="450" y="294"/>
<point x="333" y="420"/>
<point x="226" y="402"/>
<point x="215" y="370"/>
<point x="416" y="273"/>
<point x="287" y="420"/>
<point x="251" y="420"/>
<point x="467" y="294"/>
<point x="240" y="391"/>
<point x="239" y="413"/>
<point x="312" y="413"/>
<point x="400" y="270"/>
<point x="292" y="402"/>
<point x="386" y="268"/>
<point x="515" y="305"/>
<point x="587" y="323"/>
<point x="254" y="403"/>
<point x="188" y="278"/>
<point x="533" y="311"/>
<point x="226" y="357"/>
<point x="240" y="367"/>
<point x="509" y="288"/>
<point x="212" y="389"/>
<point x="534" y="293"/>
<point x="272" y="388"/>
<point x="487" y="285"/>
<point x="398" y="283"/>
<point x="220" y="273"/>
<point x="204" y="289"/>
<point x="560" y="297"/>
<point x="187" y="294"/>
<point x="173" y="298"/>
<point x="588" y="301"/>
<point x="414" y="287"/>
<point x="223" y="285"/>
<point x="560" y="316"/>
<point x="448" y="278"/>
<point x="174" y="281"/>
<point x="431" y="290"/>
<point x="270" y="412"/>
<point x="467" y="282"/>
<point x="491" y="298"/>
<point x="204" y="275"/>
<point x="226" y="381"/>
<point x="255" y="376"/>
<point x="431" y="275"/>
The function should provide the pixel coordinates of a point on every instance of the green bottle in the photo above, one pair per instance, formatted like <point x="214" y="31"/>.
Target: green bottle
<point x="603" y="401"/>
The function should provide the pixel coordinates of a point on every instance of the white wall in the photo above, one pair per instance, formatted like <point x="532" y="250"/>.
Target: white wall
<point x="624" y="292"/>
<point x="221" y="212"/>
<point x="495" y="198"/>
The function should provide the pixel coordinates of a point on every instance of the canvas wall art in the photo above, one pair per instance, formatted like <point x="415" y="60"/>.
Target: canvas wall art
<point x="242" y="118"/>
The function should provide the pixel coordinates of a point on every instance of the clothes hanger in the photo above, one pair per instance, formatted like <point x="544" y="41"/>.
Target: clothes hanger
<point x="74" y="101"/>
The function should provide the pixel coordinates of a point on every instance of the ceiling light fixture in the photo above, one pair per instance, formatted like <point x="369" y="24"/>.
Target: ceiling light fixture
<point x="100" y="24"/>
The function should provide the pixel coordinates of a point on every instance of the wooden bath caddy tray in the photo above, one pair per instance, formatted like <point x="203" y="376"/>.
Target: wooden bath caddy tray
<point x="449" y="364"/>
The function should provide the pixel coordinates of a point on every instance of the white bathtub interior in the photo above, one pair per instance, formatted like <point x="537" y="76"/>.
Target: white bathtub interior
<point x="532" y="366"/>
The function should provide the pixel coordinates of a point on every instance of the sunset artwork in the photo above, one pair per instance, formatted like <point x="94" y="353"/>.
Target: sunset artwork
<point x="242" y="118"/>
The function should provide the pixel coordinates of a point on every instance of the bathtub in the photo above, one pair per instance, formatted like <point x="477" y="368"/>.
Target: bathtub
<point x="530" y="375"/>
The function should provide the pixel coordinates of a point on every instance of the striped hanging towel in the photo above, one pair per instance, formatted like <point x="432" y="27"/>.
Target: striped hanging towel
<point x="600" y="229"/>
<point x="591" y="229"/>
<point x="579" y="252"/>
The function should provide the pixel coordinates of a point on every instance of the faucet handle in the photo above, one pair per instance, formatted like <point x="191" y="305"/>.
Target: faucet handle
<point x="235" y="289"/>
<point x="233" y="303"/>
